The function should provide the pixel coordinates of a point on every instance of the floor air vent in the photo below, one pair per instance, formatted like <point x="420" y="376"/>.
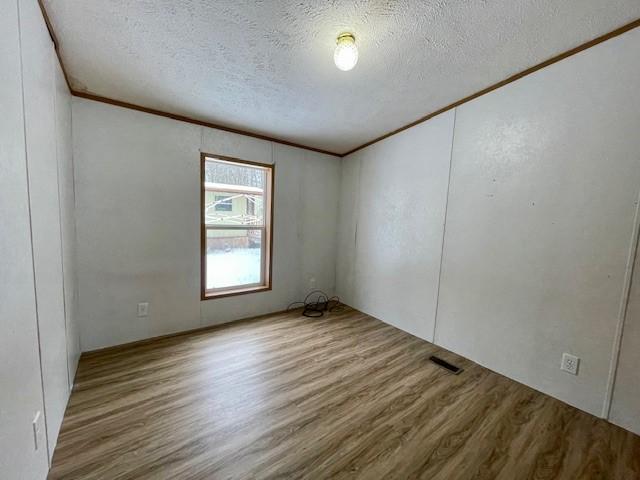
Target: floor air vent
<point x="446" y="365"/>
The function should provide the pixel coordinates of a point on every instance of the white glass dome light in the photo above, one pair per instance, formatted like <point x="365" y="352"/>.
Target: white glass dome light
<point x="346" y="54"/>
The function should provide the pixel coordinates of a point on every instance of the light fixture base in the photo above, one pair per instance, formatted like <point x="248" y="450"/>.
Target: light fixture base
<point x="346" y="36"/>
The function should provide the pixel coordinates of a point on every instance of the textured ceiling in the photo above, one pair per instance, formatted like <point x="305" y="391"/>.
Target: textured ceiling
<point x="267" y="66"/>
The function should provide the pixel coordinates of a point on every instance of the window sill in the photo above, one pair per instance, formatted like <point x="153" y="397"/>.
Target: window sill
<point x="237" y="291"/>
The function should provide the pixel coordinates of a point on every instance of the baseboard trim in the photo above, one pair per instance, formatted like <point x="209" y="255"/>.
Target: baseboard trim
<point x="181" y="333"/>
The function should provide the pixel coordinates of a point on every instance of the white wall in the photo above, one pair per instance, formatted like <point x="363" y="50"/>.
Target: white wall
<point x="40" y="127"/>
<point x="396" y="191"/>
<point x="138" y="223"/>
<point x="66" y="193"/>
<point x="545" y="175"/>
<point x="39" y="345"/>
<point x="625" y="406"/>
<point x="544" y="183"/>
<point x="348" y="227"/>
<point x="20" y="392"/>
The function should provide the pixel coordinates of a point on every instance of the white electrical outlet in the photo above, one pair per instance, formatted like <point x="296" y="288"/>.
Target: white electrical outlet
<point x="36" y="430"/>
<point x="312" y="283"/>
<point x="570" y="363"/>
<point x="143" y="309"/>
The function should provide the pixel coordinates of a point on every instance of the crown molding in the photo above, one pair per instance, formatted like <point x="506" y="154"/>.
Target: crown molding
<point x="506" y="81"/>
<point x="195" y="121"/>
<point x="153" y="111"/>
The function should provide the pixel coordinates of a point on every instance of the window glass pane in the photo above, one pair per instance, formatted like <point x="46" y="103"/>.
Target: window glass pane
<point x="234" y="257"/>
<point x="234" y="194"/>
<point x="223" y="203"/>
<point x="220" y="171"/>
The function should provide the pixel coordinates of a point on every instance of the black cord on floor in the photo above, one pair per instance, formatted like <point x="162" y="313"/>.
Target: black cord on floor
<point x="316" y="303"/>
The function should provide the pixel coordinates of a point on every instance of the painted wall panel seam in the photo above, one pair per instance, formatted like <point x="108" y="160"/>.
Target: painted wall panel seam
<point x="444" y="230"/>
<point x="26" y="157"/>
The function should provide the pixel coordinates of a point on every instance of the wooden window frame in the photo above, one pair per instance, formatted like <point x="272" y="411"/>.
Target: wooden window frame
<point x="266" y="273"/>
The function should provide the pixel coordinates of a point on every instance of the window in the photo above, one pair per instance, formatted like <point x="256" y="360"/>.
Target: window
<point x="237" y="206"/>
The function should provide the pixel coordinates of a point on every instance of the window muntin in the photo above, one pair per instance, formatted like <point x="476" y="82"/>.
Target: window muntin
<point x="236" y="224"/>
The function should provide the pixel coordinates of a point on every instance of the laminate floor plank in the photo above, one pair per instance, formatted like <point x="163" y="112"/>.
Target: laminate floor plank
<point x="343" y="396"/>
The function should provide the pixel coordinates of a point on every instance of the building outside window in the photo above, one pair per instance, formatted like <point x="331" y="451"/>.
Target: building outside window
<point x="236" y="226"/>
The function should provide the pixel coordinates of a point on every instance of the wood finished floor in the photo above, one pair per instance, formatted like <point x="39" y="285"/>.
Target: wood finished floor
<point x="343" y="396"/>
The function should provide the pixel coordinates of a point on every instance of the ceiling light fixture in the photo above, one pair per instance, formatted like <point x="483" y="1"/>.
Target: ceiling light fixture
<point x="346" y="53"/>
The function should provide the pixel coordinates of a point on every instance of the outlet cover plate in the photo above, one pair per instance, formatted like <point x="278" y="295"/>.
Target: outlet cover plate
<point x="570" y="363"/>
<point x="143" y="309"/>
